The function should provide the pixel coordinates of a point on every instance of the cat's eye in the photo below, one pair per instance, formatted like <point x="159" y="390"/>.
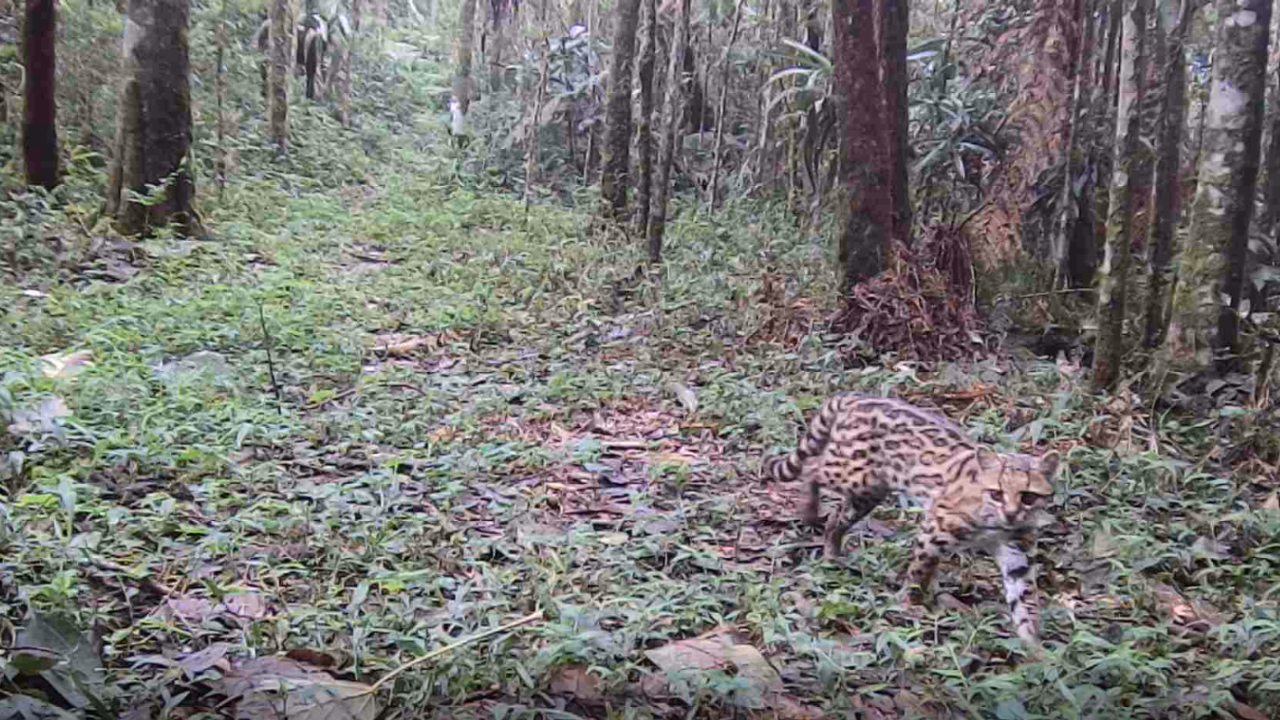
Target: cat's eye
<point x="996" y="495"/>
<point x="1031" y="498"/>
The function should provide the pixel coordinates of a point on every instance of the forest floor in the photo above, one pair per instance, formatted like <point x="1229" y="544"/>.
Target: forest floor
<point x="385" y="410"/>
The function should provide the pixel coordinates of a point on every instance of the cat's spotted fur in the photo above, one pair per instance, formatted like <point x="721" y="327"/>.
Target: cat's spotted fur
<point x="869" y="447"/>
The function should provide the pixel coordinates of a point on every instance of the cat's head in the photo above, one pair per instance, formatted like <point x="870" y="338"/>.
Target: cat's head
<point x="1016" y="488"/>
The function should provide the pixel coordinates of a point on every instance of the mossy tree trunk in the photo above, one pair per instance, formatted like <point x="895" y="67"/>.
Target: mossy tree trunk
<point x="1113" y="276"/>
<point x="1213" y="265"/>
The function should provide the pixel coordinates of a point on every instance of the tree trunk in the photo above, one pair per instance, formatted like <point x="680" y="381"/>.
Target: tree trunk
<point x="281" y="41"/>
<point x="531" y="152"/>
<point x="1215" y="263"/>
<point x="1114" y="273"/>
<point x="866" y="205"/>
<point x="895" y="24"/>
<point x="220" y="91"/>
<point x="499" y="18"/>
<point x="342" y="68"/>
<point x="40" y="108"/>
<point x="671" y="134"/>
<point x="463" y="86"/>
<point x="1103" y="106"/>
<point x="644" y="128"/>
<point x="1079" y="134"/>
<point x="154" y="131"/>
<point x="1168" y="203"/>
<point x="717" y="153"/>
<point x="617" y="144"/>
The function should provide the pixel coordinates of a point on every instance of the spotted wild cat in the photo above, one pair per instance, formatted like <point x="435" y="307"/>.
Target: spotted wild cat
<point x="869" y="447"/>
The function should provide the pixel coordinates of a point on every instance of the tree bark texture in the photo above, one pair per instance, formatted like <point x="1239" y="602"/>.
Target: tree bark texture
<point x="1213" y="264"/>
<point x="220" y="93"/>
<point x="342" y="68"/>
<point x="463" y="86"/>
<point x="154" y="131"/>
<point x="895" y="25"/>
<point x="617" y="144"/>
<point x="644" y="128"/>
<point x="40" y="107"/>
<point x="866" y="203"/>
<point x="671" y="116"/>
<point x="1075" y="184"/>
<point x="500" y="14"/>
<point x="1103" y="108"/>
<point x="281" y="40"/>
<point x="1167" y="208"/>
<point x="1113" y="276"/>
<point x="717" y="152"/>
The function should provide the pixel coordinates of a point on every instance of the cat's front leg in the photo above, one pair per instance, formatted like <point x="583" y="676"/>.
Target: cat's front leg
<point x="1020" y="593"/>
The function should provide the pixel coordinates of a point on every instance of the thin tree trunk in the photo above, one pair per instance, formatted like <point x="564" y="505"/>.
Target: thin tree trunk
<point x="895" y="25"/>
<point x="155" y="121"/>
<point x="617" y="145"/>
<point x="1271" y="192"/>
<point x="500" y="12"/>
<point x="342" y="69"/>
<point x="593" y="133"/>
<point x="1114" y="273"/>
<point x="463" y="86"/>
<point x="644" y="129"/>
<point x="40" y="106"/>
<point x="1214" y="264"/>
<point x="1103" y="107"/>
<point x="671" y="134"/>
<point x="531" y="154"/>
<point x="281" y="40"/>
<point x="1078" y="134"/>
<point x="1168" y="202"/>
<point x="220" y="91"/>
<point x="720" y="109"/>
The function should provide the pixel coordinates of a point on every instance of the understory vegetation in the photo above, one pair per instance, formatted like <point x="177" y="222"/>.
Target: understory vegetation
<point x="388" y="408"/>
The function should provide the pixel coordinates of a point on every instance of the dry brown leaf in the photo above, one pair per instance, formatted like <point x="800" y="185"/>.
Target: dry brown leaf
<point x="575" y="680"/>
<point x="1182" y="609"/>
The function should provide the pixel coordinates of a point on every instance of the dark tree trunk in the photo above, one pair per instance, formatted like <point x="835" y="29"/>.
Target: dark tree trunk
<point x="866" y="221"/>
<point x="895" y="23"/>
<point x="39" y="118"/>
<point x="617" y="144"/>
<point x="1074" y="210"/>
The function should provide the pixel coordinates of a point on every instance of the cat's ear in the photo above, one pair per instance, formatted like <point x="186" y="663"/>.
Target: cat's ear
<point x="1049" y="464"/>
